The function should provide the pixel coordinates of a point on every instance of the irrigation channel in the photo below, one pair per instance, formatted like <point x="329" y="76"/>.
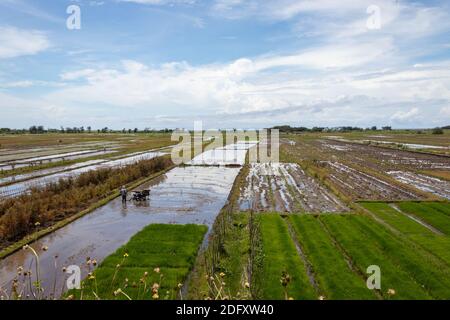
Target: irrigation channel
<point x="189" y="194"/>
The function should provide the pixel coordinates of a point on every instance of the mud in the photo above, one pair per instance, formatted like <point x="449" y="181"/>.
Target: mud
<point x="423" y="182"/>
<point x="361" y="186"/>
<point x="285" y="187"/>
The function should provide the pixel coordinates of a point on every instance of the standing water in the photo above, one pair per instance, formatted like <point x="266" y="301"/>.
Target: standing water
<point x="183" y="195"/>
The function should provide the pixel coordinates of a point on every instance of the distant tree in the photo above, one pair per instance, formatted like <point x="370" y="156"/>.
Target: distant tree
<point x="438" y="131"/>
<point x="387" y="128"/>
<point x="89" y="129"/>
<point x="33" y="130"/>
<point x="374" y="128"/>
<point x="136" y="130"/>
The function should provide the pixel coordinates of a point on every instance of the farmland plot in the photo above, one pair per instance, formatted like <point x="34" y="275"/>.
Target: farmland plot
<point x="332" y="270"/>
<point x="425" y="183"/>
<point x="375" y="158"/>
<point x="22" y="187"/>
<point x="285" y="187"/>
<point x="280" y="255"/>
<point x="362" y="186"/>
<point x="184" y="195"/>
<point x="60" y="156"/>
<point x="416" y="231"/>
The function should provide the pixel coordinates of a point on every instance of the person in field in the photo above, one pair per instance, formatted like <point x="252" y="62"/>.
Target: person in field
<point x="124" y="194"/>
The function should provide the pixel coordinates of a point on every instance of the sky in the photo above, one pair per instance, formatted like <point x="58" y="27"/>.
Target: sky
<point x="229" y="63"/>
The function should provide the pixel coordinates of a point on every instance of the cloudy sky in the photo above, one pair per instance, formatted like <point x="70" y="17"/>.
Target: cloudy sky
<point x="230" y="63"/>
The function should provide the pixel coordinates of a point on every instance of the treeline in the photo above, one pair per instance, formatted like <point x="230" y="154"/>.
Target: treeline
<point x="88" y="129"/>
<point x="42" y="207"/>
<point x="290" y="129"/>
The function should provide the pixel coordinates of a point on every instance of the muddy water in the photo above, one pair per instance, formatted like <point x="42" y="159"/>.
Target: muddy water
<point x="183" y="195"/>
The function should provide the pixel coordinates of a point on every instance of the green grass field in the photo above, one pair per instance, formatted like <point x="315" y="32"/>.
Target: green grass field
<point x="423" y="238"/>
<point x="280" y="256"/>
<point x="339" y="248"/>
<point x="171" y="248"/>
<point x="433" y="214"/>
<point x="336" y="279"/>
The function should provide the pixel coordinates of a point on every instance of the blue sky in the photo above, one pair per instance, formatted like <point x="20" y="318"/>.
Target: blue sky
<point x="230" y="63"/>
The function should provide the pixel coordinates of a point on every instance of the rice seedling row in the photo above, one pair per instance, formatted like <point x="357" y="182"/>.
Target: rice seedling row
<point x="153" y="265"/>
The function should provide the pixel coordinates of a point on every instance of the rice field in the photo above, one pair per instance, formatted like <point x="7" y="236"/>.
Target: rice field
<point x="153" y="265"/>
<point x="220" y="227"/>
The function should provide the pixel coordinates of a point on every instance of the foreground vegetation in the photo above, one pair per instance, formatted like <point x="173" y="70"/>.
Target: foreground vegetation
<point x="326" y="256"/>
<point x="42" y="207"/>
<point x="153" y="265"/>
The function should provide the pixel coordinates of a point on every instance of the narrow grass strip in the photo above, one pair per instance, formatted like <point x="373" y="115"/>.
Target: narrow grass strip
<point x="427" y="213"/>
<point x="280" y="256"/>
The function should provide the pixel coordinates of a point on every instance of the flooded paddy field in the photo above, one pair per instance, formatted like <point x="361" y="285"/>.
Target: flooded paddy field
<point x="384" y="158"/>
<point x="181" y="196"/>
<point x="230" y="155"/>
<point x="49" y="153"/>
<point x="425" y="183"/>
<point x="38" y="173"/>
<point x="285" y="187"/>
<point x="21" y="187"/>
<point x="361" y="171"/>
<point x="361" y="186"/>
<point x="413" y="140"/>
<point x="53" y="158"/>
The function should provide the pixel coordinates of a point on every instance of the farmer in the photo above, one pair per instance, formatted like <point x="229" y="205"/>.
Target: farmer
<point x="124" y="193"/>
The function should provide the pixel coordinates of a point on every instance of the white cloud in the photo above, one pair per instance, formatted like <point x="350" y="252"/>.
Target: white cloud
<point x="445" y="111"/>
<point x="74" y="75"/>
<point x="403" y="116"/>
<point x="19" y="42"/>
